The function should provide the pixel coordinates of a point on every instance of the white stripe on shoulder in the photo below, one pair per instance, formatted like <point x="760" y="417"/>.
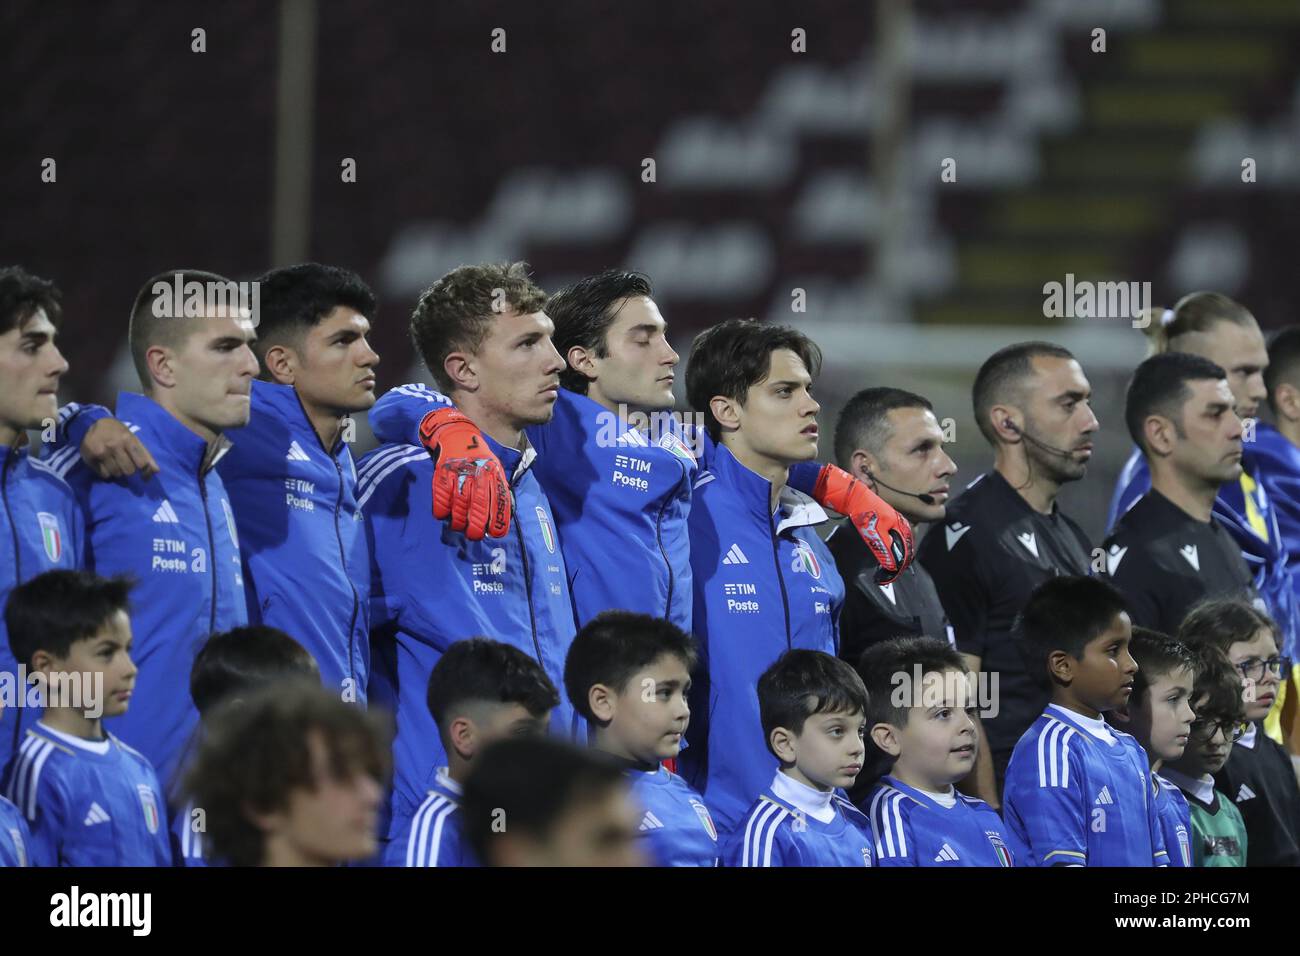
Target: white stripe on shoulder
<point x="374" y="461"/>
<point x="1054" y="754"/>
<point x="768" y="835"/>
<point x="32" y="763"/>
<point x="417" y="845"/>
<point x="704" y="479"/>
<point x="752" y="826"/>
<point x="378" y="479"/>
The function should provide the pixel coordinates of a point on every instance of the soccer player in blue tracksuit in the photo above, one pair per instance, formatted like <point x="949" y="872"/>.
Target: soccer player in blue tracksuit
<point x="764" y="582"/>
<point x="480" y="691"/>
<point x="616" y="465"/>
<point x="40" y="523"/>
<point x="1277" y="449"/>
<point x="289" y="472"/>
<point x="15" y="838"/>
<point x="432" y="586"/>
<point x="1078" y="791"/>
<point x="1215" y="327"/>
<point x="814" y="718"/>
<point x="629" y="675"/>
<point x="175" y="531"/>
<point x="88" y="798"/>
<point x="920" y="704"/>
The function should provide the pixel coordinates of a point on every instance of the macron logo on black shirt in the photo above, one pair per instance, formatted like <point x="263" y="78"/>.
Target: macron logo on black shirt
<point x="952" y="534"/>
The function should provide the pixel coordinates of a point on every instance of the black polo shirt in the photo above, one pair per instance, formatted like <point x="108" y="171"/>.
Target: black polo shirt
<point x="987" y="557"/>
<point x="1164" y="561"/>
<point x="1259" y="779"/>
<point x="872" y="613"/>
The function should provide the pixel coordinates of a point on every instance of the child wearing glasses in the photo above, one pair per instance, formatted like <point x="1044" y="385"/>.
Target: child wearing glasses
<point x="1257" y="775"/>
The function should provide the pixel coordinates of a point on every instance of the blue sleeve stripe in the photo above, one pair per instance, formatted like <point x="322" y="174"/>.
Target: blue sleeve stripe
<point x="422" y="846"/>
<point x="1054" y="755"/>
<point x="759" y="831"/>
<point x="368" y="489"/>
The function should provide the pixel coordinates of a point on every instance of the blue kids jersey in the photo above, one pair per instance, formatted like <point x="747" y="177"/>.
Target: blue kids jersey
<point x="1175" y="818"/>
<point x="1245" y="508"/>
<point x="620" y="499"/>
<point x="675" y="820"/>
<point x="913" y="829"/>
<point x="764" y="583"/>
<point x="175" y="534"/>
<point x="775" y="832"/>
<point x="40" y="530"/>
<point x="303" y="544"/>
<point x="189" y="845"/>
<point x="431" y="587"/>
<point x="14" y="837"/>
<point x="432" y="837"/>
<point x="88" y="803"/>
<point x="1074" y="800"/>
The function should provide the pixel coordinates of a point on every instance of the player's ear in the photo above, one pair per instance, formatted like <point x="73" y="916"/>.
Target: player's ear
<point x="1287" y="399"/>
<point x="43" y="661"/>
<point x="282" y="364"/>
<point x="1061" y="666"/>
<point x="726" y="411"/>
<point x="600" y="699"/>
<point x="885" y="736"/>
<point x="463" y="737"/>
<point x="582" y="360"/>
<point x="461" y="369"/>
<point x="782" y="742"/>
<point x="161" y="362"/>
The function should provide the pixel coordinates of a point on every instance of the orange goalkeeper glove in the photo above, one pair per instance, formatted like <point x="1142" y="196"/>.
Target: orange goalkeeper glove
<point x="469" y="483"/>
<point x="885" y="531"/>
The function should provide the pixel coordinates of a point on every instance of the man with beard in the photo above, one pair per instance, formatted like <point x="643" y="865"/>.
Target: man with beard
<point x="1004" y="535"/>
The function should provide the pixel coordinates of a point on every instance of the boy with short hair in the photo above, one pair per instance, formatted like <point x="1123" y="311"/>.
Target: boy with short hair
<point x="480" y="691"/>
<point x="1258" y="774"/>
<point x="228" y="668"/>
<point x="1218" y="832"/>
<point x="1078" y="791"/>
<point x="1160" y="715"/>
<point x="930" y="739"/>
<point x="89" y="799"/>
<point x="813" y="710"/>
<point x="290" y="776"/>
<point x="629" y="675"/>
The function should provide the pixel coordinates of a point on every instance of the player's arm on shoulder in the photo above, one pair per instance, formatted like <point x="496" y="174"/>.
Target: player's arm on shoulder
<point x="396" y="416"/>
<point x="108" y="447"/>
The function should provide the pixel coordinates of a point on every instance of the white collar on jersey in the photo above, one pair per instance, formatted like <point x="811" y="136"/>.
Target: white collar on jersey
<point x="1248" y="738"/>
<point x="1096" y="726"/>
<point x="815" y="803"/>
<point x="1202" y="788"/>
<point x="444" y="780"/>
<point x="947" y="799"/>
<point x="94" y="746"/>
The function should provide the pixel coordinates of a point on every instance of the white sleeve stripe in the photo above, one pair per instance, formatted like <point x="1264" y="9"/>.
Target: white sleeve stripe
<point x="61" y="461"/>
<point x="378" y="460"/>
<point x="420" y="390"/>
<point x="752" y="830"/>
<point x="15" y="791"/>
<point x="895" y="806"/>
<point x="67" y="411"/>
<point x="374" y="485"/>
<point x="418" y="846"/>
<point x="1065" y="757"/>
<point x="1042" y="767"/>
<point x="1054" y="755"/>
<point x="877" y="821"/>
<point x="33" y="759"/>
<point x="435" y="842"/>
<point x="772" y="826"/>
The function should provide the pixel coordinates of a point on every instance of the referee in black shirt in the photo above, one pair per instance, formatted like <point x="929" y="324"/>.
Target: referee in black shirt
<point x="1168" y="551"/>
<point x="890" y="439"/>
<point x="1004" y="535"/>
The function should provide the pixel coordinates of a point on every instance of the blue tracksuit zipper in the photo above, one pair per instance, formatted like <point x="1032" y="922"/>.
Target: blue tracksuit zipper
<point x="780" y="580"/>
<point x="212" y="554"/>
<point x="528" y="579"/>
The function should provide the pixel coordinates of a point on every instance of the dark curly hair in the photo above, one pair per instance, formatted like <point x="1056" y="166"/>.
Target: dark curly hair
<point x="22" y="294"/>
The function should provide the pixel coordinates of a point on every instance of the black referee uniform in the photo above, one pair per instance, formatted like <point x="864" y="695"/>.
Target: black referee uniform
<point x="987" y="557"/>
<point x="872" y="613"/>
<point x="1164" y="561"/>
